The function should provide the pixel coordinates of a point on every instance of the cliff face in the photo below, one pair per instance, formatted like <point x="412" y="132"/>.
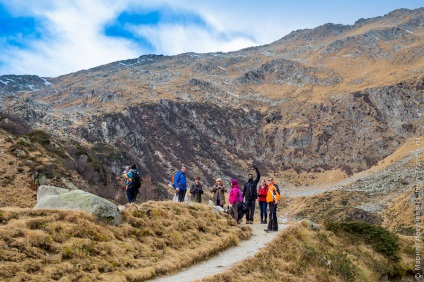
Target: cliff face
<point x="331" y="98"/>
<point x="350" y="132"/>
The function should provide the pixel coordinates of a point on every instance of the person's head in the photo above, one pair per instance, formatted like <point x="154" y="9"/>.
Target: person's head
<point x="263" y="183"/>
<point x="234" y="182"/>
<point x="184" y="169"/>
<point x="270" y="180"/>
<point x="250" y="176"/>
<point x="197" y="180"/>
<point x="219" y="181"/>
<point x="133" y="166"/>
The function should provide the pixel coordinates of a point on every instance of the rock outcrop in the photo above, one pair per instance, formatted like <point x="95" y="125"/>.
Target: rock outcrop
<point x="50" y="197"/>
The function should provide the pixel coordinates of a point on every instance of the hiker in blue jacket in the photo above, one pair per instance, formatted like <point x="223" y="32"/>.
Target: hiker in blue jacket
<point x="180" y="183"/>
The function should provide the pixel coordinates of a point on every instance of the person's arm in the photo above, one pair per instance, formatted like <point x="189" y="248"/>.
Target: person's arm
<point x="278" y="196"/>
<point x="213" y="188"/>
<point x="244" y="190"/>
<point x="258" y="175"/>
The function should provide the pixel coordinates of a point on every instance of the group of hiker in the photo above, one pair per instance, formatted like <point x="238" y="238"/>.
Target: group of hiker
<point x="241" y="201"/>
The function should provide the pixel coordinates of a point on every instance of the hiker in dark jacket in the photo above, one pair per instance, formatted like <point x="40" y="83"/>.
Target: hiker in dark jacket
<point x="180" y="183"/>
<point x="196" y="191"/>
<point x="131" y="190"/>
<point x="250" y="194"/>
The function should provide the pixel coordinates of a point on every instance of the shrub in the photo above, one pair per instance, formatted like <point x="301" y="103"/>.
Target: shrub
<point x="381" y="240"/>
<point x="39" y="137"/>
<point x="14" y="124"/>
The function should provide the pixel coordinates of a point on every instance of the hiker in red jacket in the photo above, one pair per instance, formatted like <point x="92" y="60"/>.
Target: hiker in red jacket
<point x="262" y="192"/>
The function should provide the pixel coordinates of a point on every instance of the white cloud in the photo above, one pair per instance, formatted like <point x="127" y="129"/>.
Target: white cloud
<point x="75" y="41"/>
<point x="176" y="39"/>
<point x="74" y="38"/>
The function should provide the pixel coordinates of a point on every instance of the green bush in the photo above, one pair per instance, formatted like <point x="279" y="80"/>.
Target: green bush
<point x="380" y="239"/>
<point x="39" y="137"/>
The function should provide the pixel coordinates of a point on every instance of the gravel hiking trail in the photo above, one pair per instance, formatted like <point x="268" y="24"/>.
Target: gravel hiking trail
<point x="225" y="259"/>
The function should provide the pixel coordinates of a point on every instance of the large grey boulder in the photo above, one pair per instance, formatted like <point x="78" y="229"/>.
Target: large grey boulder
<point x="51" y="197"/>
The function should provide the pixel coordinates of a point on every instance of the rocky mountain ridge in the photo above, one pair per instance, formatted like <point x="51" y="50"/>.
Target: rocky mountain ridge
<point x="333" y="98"/>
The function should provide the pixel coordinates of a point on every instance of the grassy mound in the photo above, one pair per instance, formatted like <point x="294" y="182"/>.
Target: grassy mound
<point x="331" y="206"/>
<point x="155" y="238"/>
<point x="381" y="240"/>
<point x="302" y="254"/>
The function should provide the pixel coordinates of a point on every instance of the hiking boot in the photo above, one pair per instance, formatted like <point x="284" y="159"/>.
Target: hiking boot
<point x="267" y="230"/>
<point x="265" y="222"/>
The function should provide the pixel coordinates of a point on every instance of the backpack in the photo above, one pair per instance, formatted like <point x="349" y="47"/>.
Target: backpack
<point x="242" y="210"/>
<point x="136" y="180"/>
<point x="173" y="179"/>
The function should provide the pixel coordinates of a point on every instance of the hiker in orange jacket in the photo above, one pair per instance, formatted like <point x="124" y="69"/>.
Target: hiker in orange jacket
<point x="272" y="199"/>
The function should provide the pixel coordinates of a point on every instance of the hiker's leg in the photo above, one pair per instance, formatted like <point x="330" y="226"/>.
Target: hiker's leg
<point x="252" y="209"/>
<point x="248" y="210"/>
<point x="262" y="210"/>
<point x="235" y="210"/>
<point x="261" y="213"/>
<point x="130" y="195"/>
<point x="181" y="195"/>
<point x="265" y="213"/>
<point x="275" y="218"/>
<point x="271" y="207"/>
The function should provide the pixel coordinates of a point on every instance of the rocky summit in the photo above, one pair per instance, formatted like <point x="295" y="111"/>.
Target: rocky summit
<point x="333" y="100"/>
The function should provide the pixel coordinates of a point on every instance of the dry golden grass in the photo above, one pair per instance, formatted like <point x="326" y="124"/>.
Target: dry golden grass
<point x="330" y="206"/>
<point x="400" y="217"/>
<point x="301" y="254"/>
<point x="16" y="185"/>
<point x="155" y="238"/>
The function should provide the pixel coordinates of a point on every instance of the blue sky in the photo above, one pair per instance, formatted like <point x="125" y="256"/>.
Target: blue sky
<point x="54" y="37"/>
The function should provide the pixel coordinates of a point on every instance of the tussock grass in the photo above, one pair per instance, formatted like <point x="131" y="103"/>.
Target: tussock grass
<point x="302" y="254"/>
<point x="331" y="206"/>
<point x="156" y="238"/>
<point x="382" y="240"/>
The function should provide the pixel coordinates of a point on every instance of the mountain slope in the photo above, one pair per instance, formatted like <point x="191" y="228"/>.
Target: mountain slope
<point x="331" y="99"/>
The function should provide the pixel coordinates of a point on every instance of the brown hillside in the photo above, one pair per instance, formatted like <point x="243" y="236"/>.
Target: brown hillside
<point x="302" y="254"/>
<point x="155" y="238"/>
<point x="331" y="101"/>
